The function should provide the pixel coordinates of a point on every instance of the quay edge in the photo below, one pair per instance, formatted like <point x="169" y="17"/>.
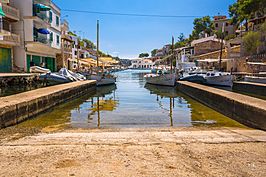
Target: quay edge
<point x="20" y="107"/>
<point x="252" y="88"/>
<point x="244" y="109"/>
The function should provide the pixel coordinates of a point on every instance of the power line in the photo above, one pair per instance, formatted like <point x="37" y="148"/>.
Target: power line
<point x="131" y="15"/>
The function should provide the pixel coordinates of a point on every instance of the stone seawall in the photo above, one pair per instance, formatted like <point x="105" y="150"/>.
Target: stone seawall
<point x="253" y="88"/>
<point x="17" y="108"/>
<point x="244" y="109"/>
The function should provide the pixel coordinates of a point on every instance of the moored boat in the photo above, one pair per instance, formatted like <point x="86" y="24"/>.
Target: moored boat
<point x="161" y="79"/>
<point x="219" y="79"/>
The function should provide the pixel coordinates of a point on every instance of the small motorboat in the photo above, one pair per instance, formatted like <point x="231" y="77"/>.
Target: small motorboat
<point x="38" y="69"/>
<point x="219" y="79"/>
<point x="54" y="78"/>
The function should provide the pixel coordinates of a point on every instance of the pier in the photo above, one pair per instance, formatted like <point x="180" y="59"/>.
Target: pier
<point x="249" y="87"/>
<point x="245" y="109"/>
<point x="17" y="108"/>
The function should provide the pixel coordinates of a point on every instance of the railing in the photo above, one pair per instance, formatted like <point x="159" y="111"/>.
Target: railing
<point x="43" y="40"/>
<point x="257" y="58"/>
<point x="42" y="16"/>
<point x="12" y="38"/>
<point x="11" y="12"/>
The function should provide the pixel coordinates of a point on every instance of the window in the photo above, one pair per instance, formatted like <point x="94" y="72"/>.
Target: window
<point x="50" y="17"/>
<point x="51" y="36"/>
<point x="226" y="24"/>
<point x="57" y="40"/>
<point x="216" y="25"/>
<point x="57" y="21"/>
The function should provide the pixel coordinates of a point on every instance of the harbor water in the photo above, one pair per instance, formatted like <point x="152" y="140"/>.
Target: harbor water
<point x="130" y="104"/>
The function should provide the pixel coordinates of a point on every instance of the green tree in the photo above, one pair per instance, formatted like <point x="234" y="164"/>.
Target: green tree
<point x="243" y="10"/>
<point x="201" y="25"/>
<point x="251" y="42"/>
<point x="181" y="42"/>
<point x="153" y="52"/>
<point x="142" y="55"/>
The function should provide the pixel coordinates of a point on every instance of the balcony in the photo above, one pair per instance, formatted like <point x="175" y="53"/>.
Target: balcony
<point x="11" y="40"/>
<point x="42" y="20"/>
<point x="43" y="40"/>
<point x="11" y="12"/>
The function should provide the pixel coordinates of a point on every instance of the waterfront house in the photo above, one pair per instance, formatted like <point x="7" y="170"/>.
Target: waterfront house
<point x="184" y="54"/>
<point x="8" y="39"/>
<point x="221" y="22"/>
<point x="40" y="33"/>
<point x="142" y="63"/>
<point x="206" y="45"/>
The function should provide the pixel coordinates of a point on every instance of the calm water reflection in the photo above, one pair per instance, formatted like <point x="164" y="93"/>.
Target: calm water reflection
<point x="132" y="103"/>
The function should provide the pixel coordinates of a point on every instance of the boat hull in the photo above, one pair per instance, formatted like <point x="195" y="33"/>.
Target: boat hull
<point x="224" y="80"/>
<point x="165" y="79"/>
<point x="101" y="81"/>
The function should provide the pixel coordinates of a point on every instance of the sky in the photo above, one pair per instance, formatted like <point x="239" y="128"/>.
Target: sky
<point x="128" y="36"/>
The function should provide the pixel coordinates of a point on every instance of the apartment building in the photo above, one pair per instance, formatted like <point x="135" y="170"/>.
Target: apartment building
<point x="8" y="39"/>
<point x="142" y="63"/>
<point x="40" y="32"/>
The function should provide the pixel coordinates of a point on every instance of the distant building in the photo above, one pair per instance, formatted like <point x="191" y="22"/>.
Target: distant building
<point x="141" y="63"/>
<point x="184" y="54"/>
<point x="221" y="22"/>
<point x="255" y="23"/>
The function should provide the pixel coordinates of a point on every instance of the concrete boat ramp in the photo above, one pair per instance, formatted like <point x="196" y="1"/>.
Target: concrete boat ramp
<point x="147" y="152"/>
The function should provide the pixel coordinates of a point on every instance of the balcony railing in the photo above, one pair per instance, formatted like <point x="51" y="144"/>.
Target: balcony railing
<point x="43" y="40"/>
<point x="42" y="16"/>
<point x="11" y="12"/>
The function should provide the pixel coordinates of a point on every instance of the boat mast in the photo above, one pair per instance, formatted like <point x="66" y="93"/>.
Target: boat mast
<point x="173" y="41"/>
<point x="221" y="51"/>
<point x="98" y="28"/>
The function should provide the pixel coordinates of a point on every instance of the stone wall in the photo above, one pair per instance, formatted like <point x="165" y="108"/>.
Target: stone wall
<point x="17" y="108"/>
<point x="206" y="47"/>
<point x="244" y="109"/>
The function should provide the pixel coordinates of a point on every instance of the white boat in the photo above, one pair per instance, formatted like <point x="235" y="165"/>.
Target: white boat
<point x="38" y="69"/>
<point x="103" y="80"/>
<point x="161" y="79"/>
<point x="219" y="79"/>
<point x="256" y="79"/>
<point x="54" y="78"/>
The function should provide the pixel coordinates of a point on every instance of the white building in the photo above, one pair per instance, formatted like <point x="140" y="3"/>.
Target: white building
<point x="142" y="63"/>
<point x="40" y="33"/>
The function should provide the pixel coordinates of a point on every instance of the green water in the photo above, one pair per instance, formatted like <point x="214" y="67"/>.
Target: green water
<point x="130" y="104"/>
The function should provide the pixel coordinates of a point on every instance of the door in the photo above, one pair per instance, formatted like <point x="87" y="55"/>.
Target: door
<point x="5" y="60"/>
<point x="50" y="63"/>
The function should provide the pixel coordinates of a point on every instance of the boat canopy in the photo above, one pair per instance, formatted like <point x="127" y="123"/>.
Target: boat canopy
<point x="43" y="31"/>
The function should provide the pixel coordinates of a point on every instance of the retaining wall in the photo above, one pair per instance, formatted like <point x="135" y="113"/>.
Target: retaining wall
<point x="253" y="88"/>
<point x="17" y="108"/>
<point x="244" y="109"/>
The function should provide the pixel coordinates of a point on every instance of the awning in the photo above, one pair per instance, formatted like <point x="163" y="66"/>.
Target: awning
<point x="2" y="13"/>
<point x="42" y="7"/>
<point x="43" y="31"/>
